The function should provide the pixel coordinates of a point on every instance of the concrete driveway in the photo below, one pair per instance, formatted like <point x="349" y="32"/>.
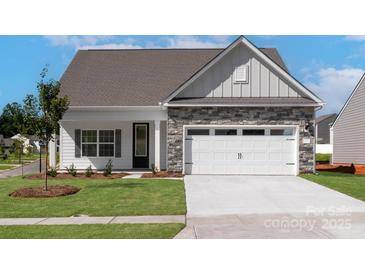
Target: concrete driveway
<point x="269" y="207"/>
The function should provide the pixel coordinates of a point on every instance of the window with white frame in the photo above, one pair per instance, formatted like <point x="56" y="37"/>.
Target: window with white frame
<point x="89" y="141"/>
<point x="241" y="74"/>
<point x="96" y="143"/>
<point x="106" y="143"/>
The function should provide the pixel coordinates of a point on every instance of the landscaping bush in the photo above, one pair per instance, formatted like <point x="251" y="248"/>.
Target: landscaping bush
<point x="154" y="169"/>
<point x="108" y="168"/>
<point x="72" y="170"/>
<point x="52" y="172"/>
<point x="89" y="171"/>
<point x="321" y="157"/>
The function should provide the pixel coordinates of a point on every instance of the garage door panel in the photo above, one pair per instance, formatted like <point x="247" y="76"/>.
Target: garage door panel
<point x="256" y="155"/>
<point x="219" y="156"/>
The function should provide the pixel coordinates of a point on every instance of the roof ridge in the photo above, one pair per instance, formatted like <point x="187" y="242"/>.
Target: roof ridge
<point x="145" y="49"/>
<point x="153" y="49"/>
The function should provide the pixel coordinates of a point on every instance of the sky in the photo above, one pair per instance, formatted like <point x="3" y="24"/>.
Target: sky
<point x="330" y="66"/>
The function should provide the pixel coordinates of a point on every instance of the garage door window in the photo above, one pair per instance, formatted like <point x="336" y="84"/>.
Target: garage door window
<point x="253" y="132"/>
<point x="226" y="132"/>
<point x="198" y="131"/>
<point x="282" y="132"/>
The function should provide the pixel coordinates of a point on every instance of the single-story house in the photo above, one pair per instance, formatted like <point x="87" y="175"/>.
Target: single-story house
<point x="30" y="143"/>
<point x="234" y="110"/>
<point x="349" y="129"/>
<point x="323" y="126"/>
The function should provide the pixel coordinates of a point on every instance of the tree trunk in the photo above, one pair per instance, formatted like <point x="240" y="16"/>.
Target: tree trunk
<point x="46" y="182"/>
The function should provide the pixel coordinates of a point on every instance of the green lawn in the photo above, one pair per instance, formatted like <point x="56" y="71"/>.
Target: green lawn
<point x="126" y="197"/>
<point x="15" y="160"/>
<point x="5" y="167"/>
<point x="107" y="231"/>
<point x="323" y="157"/>
<point x="352" y="185"/>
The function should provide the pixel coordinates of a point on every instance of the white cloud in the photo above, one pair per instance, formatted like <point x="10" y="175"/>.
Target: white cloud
<point x="90" y="42"/>
<point x="355" y="37"/>
<point x="76" y="41"/>
<point x="112" y="46"/>
<point x="195" y="42"/>
<point x="112" y="42"/>
<point x="334" y="86"/>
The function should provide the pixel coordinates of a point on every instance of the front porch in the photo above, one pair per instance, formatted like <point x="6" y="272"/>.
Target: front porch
<point x="133" y="139"/>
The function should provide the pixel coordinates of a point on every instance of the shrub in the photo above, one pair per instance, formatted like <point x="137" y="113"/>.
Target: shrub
<point x="52" y="172"/>
<point x="323" y="157"/>
<point x="89" y="171"/>
<point x="72" y="170"/>
<point x="108" y="168"/>
<point x="5" y="155"/>
<point x="154" y="169"/>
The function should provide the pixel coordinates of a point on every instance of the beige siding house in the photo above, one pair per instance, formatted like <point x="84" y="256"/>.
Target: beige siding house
<point x="349" y="129"/>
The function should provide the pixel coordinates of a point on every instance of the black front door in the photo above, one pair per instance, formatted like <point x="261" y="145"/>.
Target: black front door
<point x="140" y="145"/>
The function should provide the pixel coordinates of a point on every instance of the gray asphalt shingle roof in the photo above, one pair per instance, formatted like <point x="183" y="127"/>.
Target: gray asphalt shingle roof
<point x="134" y="77"/>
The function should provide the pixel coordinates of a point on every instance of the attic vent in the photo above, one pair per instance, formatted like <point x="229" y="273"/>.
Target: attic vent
<point x="241" y="74"/>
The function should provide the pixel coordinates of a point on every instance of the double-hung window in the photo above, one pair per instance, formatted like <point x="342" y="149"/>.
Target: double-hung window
<point x="89" y="143"/>
<point x="97" y="143"/>
<point x="106" y="143"/>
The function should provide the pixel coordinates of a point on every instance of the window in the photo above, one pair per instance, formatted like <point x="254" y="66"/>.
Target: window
<point x="198" y="131"/>
<point x="253" y="132"/>
<point x="281" y="132"/>
<point x="241" y="74"/>
<point x="226" y="132"/>
<point x="106" y="143"/>
<point x="94" y="141"/>
<point x="89" y="143"/>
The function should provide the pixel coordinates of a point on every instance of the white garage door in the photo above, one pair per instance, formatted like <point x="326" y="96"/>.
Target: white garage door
<point x="258" y="151"/>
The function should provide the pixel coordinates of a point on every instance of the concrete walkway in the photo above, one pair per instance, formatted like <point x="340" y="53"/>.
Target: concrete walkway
<point x="94" y="220"/>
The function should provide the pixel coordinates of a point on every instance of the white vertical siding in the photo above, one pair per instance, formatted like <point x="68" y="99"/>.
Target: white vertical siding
<point x="67" y="144"/>
<point x="219" y="80"/>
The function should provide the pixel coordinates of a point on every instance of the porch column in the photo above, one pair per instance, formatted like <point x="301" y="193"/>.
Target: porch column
<point x="157" y="144"/>
<point x="52" y="149"/>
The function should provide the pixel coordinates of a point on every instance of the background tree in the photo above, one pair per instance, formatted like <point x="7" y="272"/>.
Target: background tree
<point x="11" y="119"/>
<point x="51" y="110"/>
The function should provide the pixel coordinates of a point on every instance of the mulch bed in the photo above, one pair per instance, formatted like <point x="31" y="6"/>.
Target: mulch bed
<point x="63" y="176"/>
<point x="163" y="174"/>
<point x="39" y="192"/>
<point x="353" y="169"/>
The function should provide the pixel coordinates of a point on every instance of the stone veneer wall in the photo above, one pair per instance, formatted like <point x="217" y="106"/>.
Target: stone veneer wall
<point x="179" y="116"/>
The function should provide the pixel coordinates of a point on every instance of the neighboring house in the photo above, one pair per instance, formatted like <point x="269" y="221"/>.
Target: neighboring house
<point x="6" y="143"/>
<point x="349" y="129"/>
<point x="29" y="142"/>
<point x="323" y="125"/>
<point x="198" y="111"/>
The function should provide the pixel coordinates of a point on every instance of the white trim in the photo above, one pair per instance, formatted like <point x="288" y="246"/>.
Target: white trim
<point x="115" y="107"/>
<point x="258" y="52"/>
<point x="185" y="127"/>
<point x="241" y="105"/>
<point x="349" y="99"/>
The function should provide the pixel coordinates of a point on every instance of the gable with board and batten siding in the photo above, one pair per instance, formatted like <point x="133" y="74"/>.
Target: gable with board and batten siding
<point x="226" y="79"/>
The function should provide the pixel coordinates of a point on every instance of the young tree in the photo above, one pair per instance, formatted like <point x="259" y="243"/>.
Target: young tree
<point x="52" y="108"/>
